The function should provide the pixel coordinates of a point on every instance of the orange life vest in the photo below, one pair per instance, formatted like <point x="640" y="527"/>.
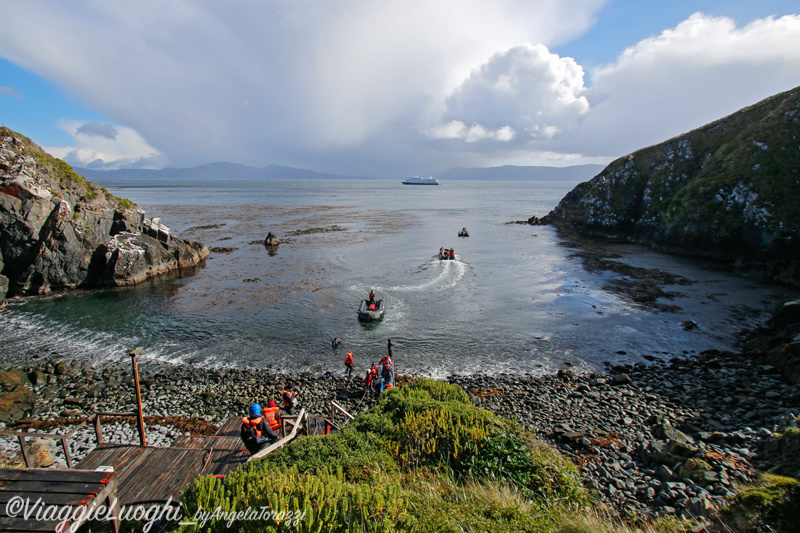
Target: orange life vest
<point x="270" y="414"/>
<point x="348" y="359"/>
<point x="371" y="307"/>
<point x="253" y="423"/>
<point x="287" y="398"/>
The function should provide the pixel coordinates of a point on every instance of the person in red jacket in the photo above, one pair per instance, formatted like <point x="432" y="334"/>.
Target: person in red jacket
<point x="349" y="365"/>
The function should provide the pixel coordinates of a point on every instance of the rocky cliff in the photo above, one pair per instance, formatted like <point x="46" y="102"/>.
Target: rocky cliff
<point x="60" y="231"/>
<point x="729" y="190"/>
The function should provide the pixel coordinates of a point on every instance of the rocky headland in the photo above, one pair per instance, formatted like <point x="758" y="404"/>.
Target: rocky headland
<point x="727" y="191"/>
<point x="59" y="231"/>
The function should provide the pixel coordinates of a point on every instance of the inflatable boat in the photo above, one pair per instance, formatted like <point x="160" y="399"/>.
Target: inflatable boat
<point x="367" y="312"/>
<point x="463" y="233"/>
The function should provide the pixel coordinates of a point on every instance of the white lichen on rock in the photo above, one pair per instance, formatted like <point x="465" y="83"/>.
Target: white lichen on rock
<point x="123" y="244"/>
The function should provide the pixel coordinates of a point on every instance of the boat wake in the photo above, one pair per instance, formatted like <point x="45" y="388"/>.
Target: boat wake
<point x="446" y="275"/>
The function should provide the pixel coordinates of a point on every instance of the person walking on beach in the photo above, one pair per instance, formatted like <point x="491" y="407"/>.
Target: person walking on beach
<point x="290" y="394"/>
<point x="349" y="365"/>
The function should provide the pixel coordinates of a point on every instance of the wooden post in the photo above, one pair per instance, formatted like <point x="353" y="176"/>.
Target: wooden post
<point x="22" y="449"/>
<point x="139" y="415"/>
<point x="65" y="445"/>
<point x="98" y="430"/>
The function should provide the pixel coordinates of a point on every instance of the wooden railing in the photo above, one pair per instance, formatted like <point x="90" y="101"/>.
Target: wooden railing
<point x="98" y="433"/>
<point x="336" y="407"/>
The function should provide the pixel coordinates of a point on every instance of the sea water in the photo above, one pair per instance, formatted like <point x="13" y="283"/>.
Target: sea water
<point x="516" y="299"/>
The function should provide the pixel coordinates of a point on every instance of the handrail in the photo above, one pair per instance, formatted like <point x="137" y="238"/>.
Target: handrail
<point x="334" y="407"/>
<point x="63" y="438"/>
<point x="274" y="446"/>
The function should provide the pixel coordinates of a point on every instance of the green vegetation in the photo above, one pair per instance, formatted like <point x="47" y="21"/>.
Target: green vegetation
<point x="792" y="433"/>
<point x="423" y="459"/>
<point x="729" y="188"/>
<point x="773" y="505"/>
<point x="62" y="173"/>
<point x="124" y="202"/>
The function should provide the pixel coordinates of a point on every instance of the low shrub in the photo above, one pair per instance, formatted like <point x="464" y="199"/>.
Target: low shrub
<point x="773" y="505"/>
<point x="284" y="499"/>
<point x="424" y="458"/>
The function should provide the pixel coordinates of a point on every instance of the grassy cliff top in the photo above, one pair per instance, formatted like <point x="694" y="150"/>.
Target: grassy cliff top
<point x="61" y="179"/>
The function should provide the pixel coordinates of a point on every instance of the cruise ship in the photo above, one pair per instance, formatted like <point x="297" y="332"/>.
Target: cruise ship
<point x="416" y="180"/>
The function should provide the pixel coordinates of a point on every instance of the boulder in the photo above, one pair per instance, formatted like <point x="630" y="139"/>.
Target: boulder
<point x="13" y="377"/>
<point x="59" y="231"/>
<point x="15" y="402"/>
<point x="695" y="470"/>
<point x="39" y="455"/>
<point x="271" y="240"/>
<point x="788" y="316"/>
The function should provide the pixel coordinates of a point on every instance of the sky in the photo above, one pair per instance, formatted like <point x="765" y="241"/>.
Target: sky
<point x="385" y="88"/>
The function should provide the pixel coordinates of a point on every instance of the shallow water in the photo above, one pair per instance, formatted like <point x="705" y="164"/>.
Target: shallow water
<point x="516" y="299"/>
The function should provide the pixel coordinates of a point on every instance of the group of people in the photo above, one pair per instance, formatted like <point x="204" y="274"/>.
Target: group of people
<point x="260" y="427"/>
<point x="446" y="254"/>
<point x="378" y="377"/>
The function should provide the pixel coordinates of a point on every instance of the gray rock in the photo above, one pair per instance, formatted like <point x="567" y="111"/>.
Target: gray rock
<point x="61" y="232"/>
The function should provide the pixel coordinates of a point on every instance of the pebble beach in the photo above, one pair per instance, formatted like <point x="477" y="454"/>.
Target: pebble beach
<point x="672" y="437"/>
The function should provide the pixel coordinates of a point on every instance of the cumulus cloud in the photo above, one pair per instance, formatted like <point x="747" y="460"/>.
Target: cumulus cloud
<point x="458" y="130"/>
<point x="107" y="147"/>
<point x="380" y="88"/>
<point x="526" y="90"/>
<point x="95" y="129"/>
<point x="702" y="70"/>
<point x="8" y="91"/>
<point x="289" y="82"/>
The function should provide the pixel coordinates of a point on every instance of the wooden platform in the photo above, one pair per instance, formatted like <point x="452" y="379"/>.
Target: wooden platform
<point x="49" y="488"/>
<point x="150" y="475"/>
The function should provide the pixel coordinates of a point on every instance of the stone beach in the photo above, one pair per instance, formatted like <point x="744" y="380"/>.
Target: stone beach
<point x="670" y="438"/>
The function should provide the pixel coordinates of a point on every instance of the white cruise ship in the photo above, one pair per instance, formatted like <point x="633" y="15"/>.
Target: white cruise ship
<point x="416" y="180"/>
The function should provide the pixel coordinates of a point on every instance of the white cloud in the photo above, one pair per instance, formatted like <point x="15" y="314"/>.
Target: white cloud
<point x="358" y="86"/>
<point x="702" y="70"/>
<point x="115" y="147"/>
<point x="526" y="90"/>
<point x="290" y="82"/>
<point x="456" y="129"/>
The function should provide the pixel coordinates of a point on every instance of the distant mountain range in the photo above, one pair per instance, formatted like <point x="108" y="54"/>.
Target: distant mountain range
<point x="516" y="173"/>
<point x="244" y="172"/>
<point x="214" y="171"/>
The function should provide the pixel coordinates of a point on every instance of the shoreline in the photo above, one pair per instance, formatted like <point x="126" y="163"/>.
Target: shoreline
<point x="670" y="438"/>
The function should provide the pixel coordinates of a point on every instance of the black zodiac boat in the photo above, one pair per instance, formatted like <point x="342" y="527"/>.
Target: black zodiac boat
<point x="444" y="256"/>
<point x="463" y="233"/>
<point x="365" y="313"/>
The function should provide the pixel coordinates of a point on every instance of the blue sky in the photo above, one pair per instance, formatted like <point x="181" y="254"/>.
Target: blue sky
<point x="382" y="89"/>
